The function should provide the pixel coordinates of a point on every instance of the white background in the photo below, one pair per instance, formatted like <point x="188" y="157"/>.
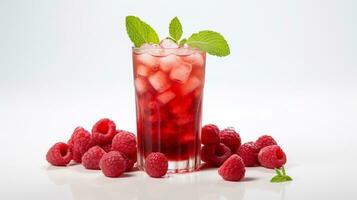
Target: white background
<point x="292" y="73"/>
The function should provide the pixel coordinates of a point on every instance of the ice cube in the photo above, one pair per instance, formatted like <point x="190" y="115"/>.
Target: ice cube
<point x="191" y="84"/>
<point x="140" y="85"/>
<point x="167" y="62"/>
<point x="147" y="59"/>
<point x="159" y="81"/>
<point x="185" y="51"/>
<point x="181" y="72"/>
<point x="166" y="97"/>
<point x="168" y="44"/>
<point x="195" y="59"/>
<point x="142" y="70"/>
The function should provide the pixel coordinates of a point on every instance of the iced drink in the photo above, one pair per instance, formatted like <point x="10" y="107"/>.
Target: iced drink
<point x="169" y="89"/>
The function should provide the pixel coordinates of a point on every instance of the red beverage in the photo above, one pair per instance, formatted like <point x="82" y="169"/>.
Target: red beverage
<point x="169" y="88"/>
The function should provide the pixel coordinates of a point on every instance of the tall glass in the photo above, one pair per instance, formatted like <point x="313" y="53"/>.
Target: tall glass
<point x="169" y="89"/>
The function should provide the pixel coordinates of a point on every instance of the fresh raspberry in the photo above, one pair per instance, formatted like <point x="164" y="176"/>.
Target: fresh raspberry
<point x="232" y="169"/>
<point x="264" y="141"/>
<point x="230" y="138"/>
<point x="81" y="141"/>
<point x="156" y="165"/>
<point x="59" y="154"/>
<point x="124" y="142"/>
<point x="215" y="154"/>
<point x="272" y="157"/>
<point x="78" y="132"/>
<point x="129" y="163"/>
<point x="103" y="131"/>
<point x="106" y="147"/>
<point x="113" y="164"/>
<point x="210" y="134"/>
<point x="91" y="158"/>
<point x="249" y="153"/>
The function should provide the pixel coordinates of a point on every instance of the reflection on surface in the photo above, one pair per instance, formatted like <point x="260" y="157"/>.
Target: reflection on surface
<point x="205" y="185"/>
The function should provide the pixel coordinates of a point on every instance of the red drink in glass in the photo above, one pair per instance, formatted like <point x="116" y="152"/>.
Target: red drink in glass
<point x="169" y="89"/>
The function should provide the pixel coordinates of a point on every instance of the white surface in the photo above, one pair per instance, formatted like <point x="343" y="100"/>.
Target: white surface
<point x="292" y="73"/>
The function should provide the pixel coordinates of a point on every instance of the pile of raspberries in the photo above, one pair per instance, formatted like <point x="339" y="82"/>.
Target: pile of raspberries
<point x="223" y="149"/>
<point x="105" y="148"/>
<point x="114" y="152"/>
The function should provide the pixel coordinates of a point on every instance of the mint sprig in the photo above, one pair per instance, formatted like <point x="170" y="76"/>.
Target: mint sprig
<point x="210" y="41"/>
<point x="281" y="176"/>
<point x="175" y="29"/>
<point x="140" y="32"/>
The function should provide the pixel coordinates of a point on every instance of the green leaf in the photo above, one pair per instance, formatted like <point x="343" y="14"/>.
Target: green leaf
<point x="278" y="171"/>
<point x="140" y="32"/>
<point x="182" y="42"/>
<point x="280" y="177"/>
<point x="175" y="29"/>
<point x="277" y="179"/>
<point x="209" y="41"/>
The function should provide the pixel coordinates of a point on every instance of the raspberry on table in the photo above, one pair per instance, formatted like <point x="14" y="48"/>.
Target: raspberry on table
<point x="59" y="154"/>
<point x="156" y="165"/>
<point x="230" y="138"/>
<point x="233" y="169"/>
<point x="129" y="163"/>
<point x="78" y="132"/>
<point x="91" y="158"/>
<point x="124" y="142"/>
<point x="210" y="134"/>
<point x="249" y="153"/>
<point x="272" y="157"/>
<point x="103" y="131"/>
<point x="264" y="141"/>
<point x="113" y="164"/>
<point x="81" y="141"/>
<point x="215" y="155"/>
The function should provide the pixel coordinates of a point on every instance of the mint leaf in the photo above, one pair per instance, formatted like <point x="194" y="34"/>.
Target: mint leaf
<point x="182" y="42"/>
<point x="175" y="29"/>
<point x="280" y="177"/>
<point x="209" y="41"/>
<point x="140" y="32"/>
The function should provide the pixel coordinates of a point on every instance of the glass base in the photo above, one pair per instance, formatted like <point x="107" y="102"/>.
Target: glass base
<point x="182" y="166"/>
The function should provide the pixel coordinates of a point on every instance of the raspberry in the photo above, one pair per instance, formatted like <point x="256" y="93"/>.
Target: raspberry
<point x="113" y="164"/>
<point x="78" y="132"/>
<point x="106" y="147"/>
<point x="103" y="131"/>
<point x="129" y="163"/>
<point x="249" y="153"/>
<point x="210" y="134"/>
<point x="215" y="154"/>
<point x="91" y="158"/>
<point x="59" y="154"/>
<point x="264" y="141"/>
<point x="230" y="138"/>
<point x="81" y="141"/>
<point x="124" y="142"/>
<point x="156" y="165"/>
<point x="232" y="169"/>
<point x="272" y="157"/>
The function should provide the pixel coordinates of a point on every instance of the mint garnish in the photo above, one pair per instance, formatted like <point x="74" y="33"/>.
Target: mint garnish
<point x="140" y="32"/>
<point x="281" y="176"/>
<point x="175" y="29"/>
<point x="209" y="41"/>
